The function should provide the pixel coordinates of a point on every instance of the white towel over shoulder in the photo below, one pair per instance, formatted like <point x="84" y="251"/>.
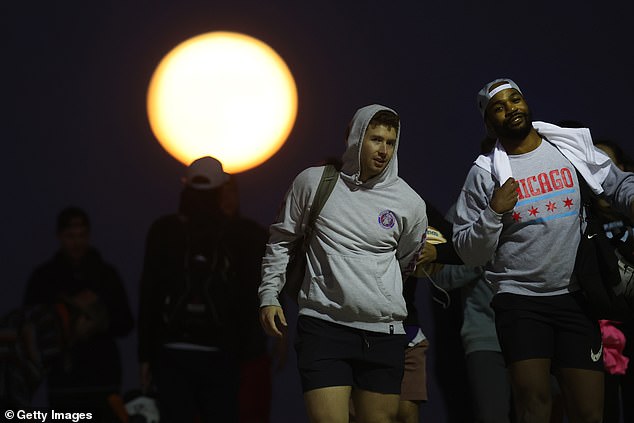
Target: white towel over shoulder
<point x="574" y="143"/>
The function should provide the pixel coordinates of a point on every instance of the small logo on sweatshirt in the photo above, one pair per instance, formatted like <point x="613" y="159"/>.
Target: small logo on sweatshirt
<point x="387" y="219"/>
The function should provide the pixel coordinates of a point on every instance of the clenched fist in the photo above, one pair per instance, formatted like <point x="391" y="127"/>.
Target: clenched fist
<point x="505" y="197"/>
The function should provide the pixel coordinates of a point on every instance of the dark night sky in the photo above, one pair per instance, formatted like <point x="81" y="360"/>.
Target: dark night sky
<point x="75" y="76"/>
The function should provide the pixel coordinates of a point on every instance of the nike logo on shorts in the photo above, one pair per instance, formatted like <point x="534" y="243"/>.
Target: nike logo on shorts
<point x="597" y="356"/>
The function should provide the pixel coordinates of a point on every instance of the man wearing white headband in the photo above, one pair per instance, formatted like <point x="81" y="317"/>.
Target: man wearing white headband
<point x="518" y="215"/>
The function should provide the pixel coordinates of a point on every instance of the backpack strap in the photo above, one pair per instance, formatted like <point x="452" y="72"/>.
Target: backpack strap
<point x="585" y="193"/>
<point x="327" y="183"/>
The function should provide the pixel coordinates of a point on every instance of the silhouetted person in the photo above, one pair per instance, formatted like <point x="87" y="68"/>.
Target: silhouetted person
<point x="488" y="382"/>
<point x="37" y="337"/>
<point x="619" y="383"/>
<point x="447" y="317"/>
<point x="195" y="320"/>
<point x="93" y="369"/>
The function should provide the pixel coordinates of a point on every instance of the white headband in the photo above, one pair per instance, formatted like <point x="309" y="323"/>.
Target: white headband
<point x="484" y="96"/>
<point x="499" y="88"/>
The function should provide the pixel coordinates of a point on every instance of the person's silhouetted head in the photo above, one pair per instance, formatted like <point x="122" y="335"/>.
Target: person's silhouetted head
<point x="73" y="233"/>
<point x="203" y="181"/>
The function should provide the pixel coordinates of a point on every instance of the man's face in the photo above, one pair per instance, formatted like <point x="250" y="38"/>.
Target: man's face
<point x="75" y="240"/>
<point x="377" y="150"/>
<point x="508" y="115"/>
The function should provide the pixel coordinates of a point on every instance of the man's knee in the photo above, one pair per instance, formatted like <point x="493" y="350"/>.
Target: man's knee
<point x="375" y="408"/>
<point x="408" y="412"/>
<point x="328" y="405"/>
<point x="532" y="405"/>
<point x="382" y="416"/>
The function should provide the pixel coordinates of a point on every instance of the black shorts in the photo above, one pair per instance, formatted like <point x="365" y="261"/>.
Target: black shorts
<point x="329" y="354"/>
<point x="556" y="327"/>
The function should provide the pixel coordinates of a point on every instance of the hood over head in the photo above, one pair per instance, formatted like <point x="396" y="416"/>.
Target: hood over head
<point x="351" y="159"/>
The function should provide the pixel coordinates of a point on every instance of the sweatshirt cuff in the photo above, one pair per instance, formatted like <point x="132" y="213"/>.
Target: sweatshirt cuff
<point x="491" y="216"/>
<point x="269" y="299"/>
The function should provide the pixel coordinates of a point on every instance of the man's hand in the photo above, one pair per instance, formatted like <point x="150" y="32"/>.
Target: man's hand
<point x="268" y="316"/>
<point x="427" y="255"/>
<point x="505" y="197"/>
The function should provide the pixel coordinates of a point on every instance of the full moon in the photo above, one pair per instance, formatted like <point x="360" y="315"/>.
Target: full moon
<point x="222" y="94"/>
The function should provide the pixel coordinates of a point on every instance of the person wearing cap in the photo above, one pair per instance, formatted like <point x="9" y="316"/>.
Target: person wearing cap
<point x="518" y="216"/>
<point x="350" y="335"/>
<point x="191" y="312"/>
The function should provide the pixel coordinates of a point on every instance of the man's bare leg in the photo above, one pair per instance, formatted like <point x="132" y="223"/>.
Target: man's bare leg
<point x="373" y="407"/>
<point x="531" y="389"/>
<point x="408" y="411"/>
<point x="582" y="391"/>
<point x="328" y="405"/>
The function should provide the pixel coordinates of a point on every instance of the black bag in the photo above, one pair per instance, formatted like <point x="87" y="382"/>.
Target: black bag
<point x="296" y="267"/>
<point x="197" y="309"/>
<point x="597" y="266"/>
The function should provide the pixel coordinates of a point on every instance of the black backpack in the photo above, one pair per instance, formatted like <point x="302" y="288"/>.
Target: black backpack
<point x="197" y="307"/>
<point x="597" y="263"/>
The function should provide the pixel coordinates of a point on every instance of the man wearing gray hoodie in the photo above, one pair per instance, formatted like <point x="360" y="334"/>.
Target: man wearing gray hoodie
<point x="350" y="335"/>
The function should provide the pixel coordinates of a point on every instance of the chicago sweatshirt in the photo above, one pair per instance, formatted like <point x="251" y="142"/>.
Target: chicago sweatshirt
<point x="530" y="250"/>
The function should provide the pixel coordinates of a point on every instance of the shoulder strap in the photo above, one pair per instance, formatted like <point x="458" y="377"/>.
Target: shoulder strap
<point x="585" y="192"/>
<point x="327" y="183"/>
<point x="584" y="189"/>
<point x="588" y="220"/>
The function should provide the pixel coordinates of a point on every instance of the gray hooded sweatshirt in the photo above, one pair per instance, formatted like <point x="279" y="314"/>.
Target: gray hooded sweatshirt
<point x="366" y="238"/>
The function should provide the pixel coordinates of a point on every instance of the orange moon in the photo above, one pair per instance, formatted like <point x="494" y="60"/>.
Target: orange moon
<point x="222" y="94"/>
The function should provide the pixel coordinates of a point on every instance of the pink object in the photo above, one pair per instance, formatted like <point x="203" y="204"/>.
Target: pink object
<point x="614" y="361"/>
